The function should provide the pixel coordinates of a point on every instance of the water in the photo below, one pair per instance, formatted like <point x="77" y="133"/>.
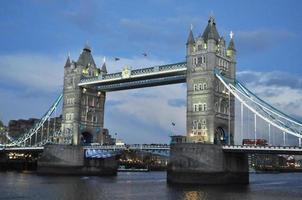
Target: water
<point x="150" y="185"/>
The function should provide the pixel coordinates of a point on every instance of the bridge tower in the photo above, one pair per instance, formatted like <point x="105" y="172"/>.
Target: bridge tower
<point x="210" y="109"/>
<point x="83" y="108"/>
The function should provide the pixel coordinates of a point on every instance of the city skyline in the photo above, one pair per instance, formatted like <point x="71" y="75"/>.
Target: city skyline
<point x="32" y="69"/>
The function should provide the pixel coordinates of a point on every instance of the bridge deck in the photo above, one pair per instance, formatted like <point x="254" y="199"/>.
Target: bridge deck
<point x="138" y="78"/>
<point x="263" y="149"/>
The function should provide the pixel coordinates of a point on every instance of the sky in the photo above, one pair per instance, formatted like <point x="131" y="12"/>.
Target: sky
<point x="36" y="37"/>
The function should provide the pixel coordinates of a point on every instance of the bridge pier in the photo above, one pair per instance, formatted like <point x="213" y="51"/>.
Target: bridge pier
<point x="70" y="160"/>
<point x="198" y="163"/>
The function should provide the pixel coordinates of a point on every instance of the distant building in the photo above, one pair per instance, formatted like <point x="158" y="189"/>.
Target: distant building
<point x="119" y="142"/>
<point x="16" y="128"/>
<point x="3" y="130"/>
<point x="178" y="139"/>
<point x="104" y="138"/>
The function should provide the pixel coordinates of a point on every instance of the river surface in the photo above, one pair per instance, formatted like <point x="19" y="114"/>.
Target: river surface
<point x="144" y="185"/>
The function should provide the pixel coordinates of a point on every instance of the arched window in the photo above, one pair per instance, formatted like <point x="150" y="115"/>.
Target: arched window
<point x="195" y="87"/>
<point x="204" y="107"/>
<point x="199" y="86"/>
<point x="205" y="86"/>
<point x="200" y="108"/>
<point x="199" y="125"/>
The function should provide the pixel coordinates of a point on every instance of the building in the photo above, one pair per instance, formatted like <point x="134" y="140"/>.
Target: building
<point x="83" y="108"/>
<point x="210" y="109"/>
<point x="3" y="129"/>
<point x="104" y="138"/>
<point x="16" y="128"/>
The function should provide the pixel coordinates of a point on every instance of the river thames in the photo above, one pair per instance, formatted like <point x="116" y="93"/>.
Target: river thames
<point x="149" y="185"/>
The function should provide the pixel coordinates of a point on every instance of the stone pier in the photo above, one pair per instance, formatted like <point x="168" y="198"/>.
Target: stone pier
<point x="198" y="163"/>
<point x="70" y="160"/>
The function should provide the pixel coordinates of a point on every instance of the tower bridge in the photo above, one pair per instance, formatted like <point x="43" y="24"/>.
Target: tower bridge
<point x="207" y="150"/>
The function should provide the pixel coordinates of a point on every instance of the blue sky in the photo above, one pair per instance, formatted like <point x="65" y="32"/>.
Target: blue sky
<point x="36" y="36"/>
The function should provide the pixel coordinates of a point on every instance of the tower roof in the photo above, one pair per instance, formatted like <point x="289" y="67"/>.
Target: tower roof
<point x="68" y="62"/>
<point x="104" y="68"/>
<point x="190" y="37"/>
<point x="231" y="44"/>
<point x="211" y="32"/>
<point x="86" y="57"/>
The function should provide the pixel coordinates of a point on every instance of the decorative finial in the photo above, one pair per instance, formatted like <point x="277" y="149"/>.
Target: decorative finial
<point x="211" y="18"/>
<point x="104" y="59"/>
<point x="69" y="54"/>
<point x="211" y="13"/>
<point x="191" y="27"/>
<point x="231" y="34"/>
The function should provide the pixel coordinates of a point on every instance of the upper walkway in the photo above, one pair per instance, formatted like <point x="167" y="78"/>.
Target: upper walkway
<point x="138" y="78"/>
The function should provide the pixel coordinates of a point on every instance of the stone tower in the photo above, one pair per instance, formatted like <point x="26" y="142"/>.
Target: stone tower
<point x="83" y="108"/>
<point x="208" y="101"/>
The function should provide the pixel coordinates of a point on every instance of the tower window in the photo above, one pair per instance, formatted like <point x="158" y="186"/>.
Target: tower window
<point x="204" y="107"/>
<point x="195" y="87"/>
<point x="199" y="125"/>
<point x="200" y="86"/>
<point x="205" y="86"/>
<point x="199" y="60"/>
<point x="200" y="108"/>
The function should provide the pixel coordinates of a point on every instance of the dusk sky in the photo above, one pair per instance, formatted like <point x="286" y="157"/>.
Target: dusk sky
<point x="36" y="36"/>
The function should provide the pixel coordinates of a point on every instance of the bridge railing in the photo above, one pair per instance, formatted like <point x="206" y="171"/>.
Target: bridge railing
<point x="135" y="72"/>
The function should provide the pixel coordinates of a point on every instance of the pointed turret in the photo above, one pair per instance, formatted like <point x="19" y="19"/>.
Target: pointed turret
<point x="210" y="32"/>
<point x="86" y="58"/>
<point x="231" y="51"/>
<point x="68" y="61"/>
<point x="191" y="37"/>
<point x="104" y="68"/>
<point x="231" y="44"/>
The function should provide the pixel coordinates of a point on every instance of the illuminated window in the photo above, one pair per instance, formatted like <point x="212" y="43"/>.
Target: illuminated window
<point x="199" y="125"/>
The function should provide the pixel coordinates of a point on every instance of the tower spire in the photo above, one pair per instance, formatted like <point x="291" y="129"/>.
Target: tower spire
<point x="68" y="61"/>
<point x="211" y="32"/>
<point x="231" y="44"/>
<point x="104" y="68"/>
<point x="191" y="37"/>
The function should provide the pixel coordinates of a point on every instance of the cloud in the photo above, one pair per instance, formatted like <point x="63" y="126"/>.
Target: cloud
<point x="177" y="102"/>
<point x="261" y="40"/>
<point x="279" y="89"/>
<point x="150" y="112"/>
<point x="32" y="72"/>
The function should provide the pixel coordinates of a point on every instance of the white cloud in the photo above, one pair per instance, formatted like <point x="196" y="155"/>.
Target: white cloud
<point x="280" y="90"/>
<point x="36" y="72"/>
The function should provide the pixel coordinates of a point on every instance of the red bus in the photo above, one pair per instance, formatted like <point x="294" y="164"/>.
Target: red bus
<point x="257" y="142"/>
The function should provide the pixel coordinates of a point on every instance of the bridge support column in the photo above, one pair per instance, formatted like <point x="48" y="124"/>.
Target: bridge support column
<point x="70" y="160"/>
<point x="197" y="163"/>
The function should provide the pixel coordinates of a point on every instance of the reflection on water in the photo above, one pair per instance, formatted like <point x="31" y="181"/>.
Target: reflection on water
<point x="150" y="185"/>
